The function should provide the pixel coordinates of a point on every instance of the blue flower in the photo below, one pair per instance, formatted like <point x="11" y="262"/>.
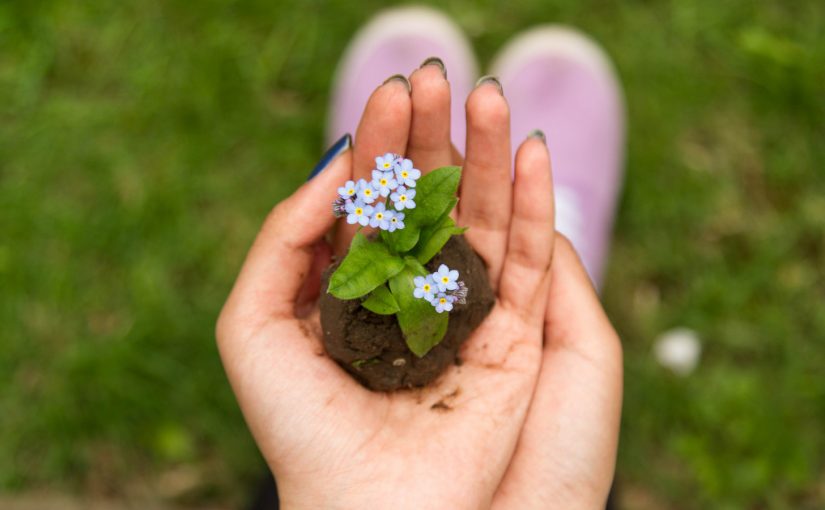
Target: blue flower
<point x="403" y="198"/>
<point x="405" y="172"/>
<point x="424" y="288"/>
<point x="383" y="182"/>
<point x="396" y="222"/>
<point x="348" y="190"/>
<point x="443" y="302"/>
<point x="445" y="278"/>
<point x="358" y="212"/>
<point x="386" y="162"/>
<point x="365" y="191"/>
<point x="380" y="217"/>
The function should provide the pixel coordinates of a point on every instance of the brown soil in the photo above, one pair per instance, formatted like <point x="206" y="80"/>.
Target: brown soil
<point x="374" y="343"/>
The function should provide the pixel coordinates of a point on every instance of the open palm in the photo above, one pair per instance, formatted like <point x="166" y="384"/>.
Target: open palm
<point x="474" y="438"/>
<point x="331" y="442"/>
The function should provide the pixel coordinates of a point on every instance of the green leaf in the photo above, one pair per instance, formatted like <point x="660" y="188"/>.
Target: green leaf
<point x="435" y="193"/>
<point x="366" y="266"/>
<point x="434" y="237"/>
<point x="380" y="301"/>
<point x="402" y="240"/>
<point x="422" y="326"/>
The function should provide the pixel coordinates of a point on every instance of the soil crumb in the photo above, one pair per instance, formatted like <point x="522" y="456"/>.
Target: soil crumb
<point x="371" y="347"/>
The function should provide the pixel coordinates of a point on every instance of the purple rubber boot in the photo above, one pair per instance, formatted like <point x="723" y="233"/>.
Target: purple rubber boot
<point x="557" y="80"/>
<point x="397" y="41"/>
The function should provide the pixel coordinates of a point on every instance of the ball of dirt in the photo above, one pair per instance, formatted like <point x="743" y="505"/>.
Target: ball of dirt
<point x="371" y="347"/>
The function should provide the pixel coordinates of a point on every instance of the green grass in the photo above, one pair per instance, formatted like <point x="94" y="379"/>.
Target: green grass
<point x="141" y="144"/>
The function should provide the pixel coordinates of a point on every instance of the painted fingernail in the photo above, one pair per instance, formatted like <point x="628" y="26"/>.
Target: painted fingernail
<point x="538" y="133"/>
<point x="341" y="146"/>
<point x="435" y="61"/>
<point x="401" y="78"/>
<point x="492" y="80"/>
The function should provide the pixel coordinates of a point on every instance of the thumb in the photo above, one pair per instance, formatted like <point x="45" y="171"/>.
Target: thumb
<point x="280" y="258"/>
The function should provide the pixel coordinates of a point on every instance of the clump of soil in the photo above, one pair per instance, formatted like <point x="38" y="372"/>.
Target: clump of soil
<point x="371" y="347"/>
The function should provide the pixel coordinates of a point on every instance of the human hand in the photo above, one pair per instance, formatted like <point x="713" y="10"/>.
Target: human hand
<point x="330" y="442"/>
<point x="566" y="451"/>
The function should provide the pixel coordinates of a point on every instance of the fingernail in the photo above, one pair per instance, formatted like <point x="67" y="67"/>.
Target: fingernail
<point x="401" y="78"/>
<point x="538" y="133"/>
<point x="484" y="80"/>
<point x="435" y="61"/>
<point x="341" y="146"/>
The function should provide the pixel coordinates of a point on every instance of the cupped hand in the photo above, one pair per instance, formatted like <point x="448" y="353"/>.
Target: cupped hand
<point x="334" y="444"/>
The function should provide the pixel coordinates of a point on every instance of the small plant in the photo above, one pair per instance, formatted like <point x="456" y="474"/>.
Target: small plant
<point x="412" y="215"/>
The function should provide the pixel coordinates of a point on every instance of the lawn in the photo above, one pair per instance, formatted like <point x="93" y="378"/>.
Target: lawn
<point x="142" y="143"/>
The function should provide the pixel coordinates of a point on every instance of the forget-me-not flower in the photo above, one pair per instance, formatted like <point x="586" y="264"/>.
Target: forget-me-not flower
<point x="386" y="162"/>
<point x="380" y="217"/>
<point x="383" y="182"/>
<point x="443" y="302"/>
<point x="365" y="191"/>
<point x="348" y="190"/>
<point x="406" y="174"/>
<point x="402" y="198"/>
<point x="396" y="222"/>
<point x="358" y="212"/>
<point x="445" y="278"/>
<point x="424" y="288"/>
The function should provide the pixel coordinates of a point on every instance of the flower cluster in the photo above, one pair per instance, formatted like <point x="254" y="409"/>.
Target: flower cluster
<point x="441" y="289"/>
<point x="393" y="180"/>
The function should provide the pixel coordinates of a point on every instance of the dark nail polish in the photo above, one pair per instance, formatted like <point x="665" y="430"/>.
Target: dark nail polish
<point x="538" y="133"/>
<point x="435" y="61"/>
<point x="401" y="78"/>
<point x="342" y="145"/>
<point x="484" y="80"/>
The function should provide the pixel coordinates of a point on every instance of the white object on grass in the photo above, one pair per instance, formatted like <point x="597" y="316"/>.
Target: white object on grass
<point x="679" y="350"/>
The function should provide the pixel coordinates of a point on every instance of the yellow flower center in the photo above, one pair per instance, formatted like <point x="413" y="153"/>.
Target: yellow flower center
<point x="442" y="300"/>
<point x="351" y="191"/>
<point x="379" y="216"/>
<point x="404" y="174"/>
<point x="445" y="279"/>
<point x="383" y="182"/>
<point x="386" y="165"/>
<point x="402" y="198"/>
<point x="426" y="287"/>
<point x="359" y="211"/>
<point x="368" y="192"/>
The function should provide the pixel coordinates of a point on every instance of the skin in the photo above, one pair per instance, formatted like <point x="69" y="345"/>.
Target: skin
<point x="529" y="420"/>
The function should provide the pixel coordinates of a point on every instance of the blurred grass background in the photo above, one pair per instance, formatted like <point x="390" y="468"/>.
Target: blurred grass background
<point x="142" y="143"/>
